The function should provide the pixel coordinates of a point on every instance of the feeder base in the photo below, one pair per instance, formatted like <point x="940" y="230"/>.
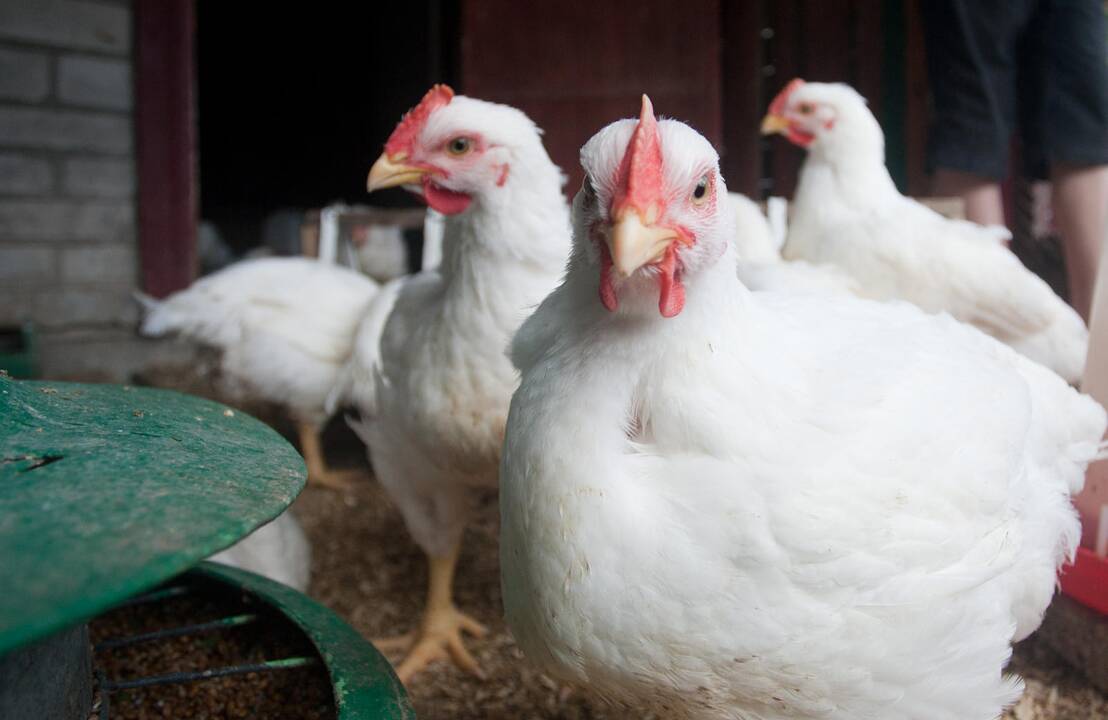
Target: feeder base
<point x="51" y="679"/>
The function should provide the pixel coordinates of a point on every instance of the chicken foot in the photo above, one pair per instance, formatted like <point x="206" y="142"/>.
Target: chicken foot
<point x="319" y="473"/>
<point x="439" y="636"/>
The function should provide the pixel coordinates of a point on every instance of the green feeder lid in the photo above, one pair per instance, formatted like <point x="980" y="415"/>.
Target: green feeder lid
<point x="365" y="686"/>
<point x="107" y="490"/>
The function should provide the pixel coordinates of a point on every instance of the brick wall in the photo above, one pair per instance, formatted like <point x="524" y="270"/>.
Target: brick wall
<point x="67" y="180"/>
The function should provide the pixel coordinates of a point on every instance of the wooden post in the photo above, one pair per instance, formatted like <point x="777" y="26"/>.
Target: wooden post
<point x="51" y="678"/>
<point x="165" y="142"/>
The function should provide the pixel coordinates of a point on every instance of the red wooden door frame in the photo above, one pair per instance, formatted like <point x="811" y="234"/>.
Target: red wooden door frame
<point x="166" y="143"/>
<point x="576" y="65"/>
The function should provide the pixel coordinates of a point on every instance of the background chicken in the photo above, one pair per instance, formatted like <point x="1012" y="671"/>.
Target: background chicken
<point x="285" y="327"/>
<point x="724" y="504"/>
<point x="278" y="550"/>
<point x="847" y="212"/>
<point x="429" y="375"/>
<point x="761" y="267"/>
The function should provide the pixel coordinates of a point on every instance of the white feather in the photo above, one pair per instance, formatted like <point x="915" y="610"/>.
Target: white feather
<point x="286" y="326"/>
<point x="847" y="212"/>
<point x="432" y="240"/>
<point x="777" y="506"/>
<point x="384" y="254"/>
<point x="429" y="375"/>
<point x="279" y="550"/>
<point x="760" y="266"/>
<point x="356" y="384"/>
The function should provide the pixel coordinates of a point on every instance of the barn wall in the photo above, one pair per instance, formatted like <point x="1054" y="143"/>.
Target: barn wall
<point x="68" y="258"/>
<point x="575" y="66"/>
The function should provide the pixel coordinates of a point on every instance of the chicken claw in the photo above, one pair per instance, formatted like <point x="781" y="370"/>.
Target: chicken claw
<point x="440" y="638"/>
<point x="319" y="473"/>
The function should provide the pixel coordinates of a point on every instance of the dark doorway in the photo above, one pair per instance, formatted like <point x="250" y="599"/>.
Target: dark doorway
<point x="294" y="102"/>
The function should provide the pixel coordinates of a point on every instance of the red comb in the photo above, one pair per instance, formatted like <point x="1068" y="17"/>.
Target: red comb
<point x="641" y="170"/>
<point x="777" y="107"/>
<point x="405" y="134"/>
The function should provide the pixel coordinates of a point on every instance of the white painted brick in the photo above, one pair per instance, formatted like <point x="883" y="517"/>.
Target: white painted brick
<point x="85" y="306"/>
<point x="99" y="177"/>
<point x="23" y="175"/>
<point x="68" y="23"/>
<point x="66" y="220"/>
<point x="99" y="263"/>
<point x="64" y="130"/>
<point x="95" y="82"/>
<point x="24" y="75"/>
<point x="102" y="354"/>
<point x="22" y="265"/>
<point x="16" y="305"/>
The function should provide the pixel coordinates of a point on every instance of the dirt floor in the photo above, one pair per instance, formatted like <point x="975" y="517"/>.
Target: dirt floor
<point x="367" y="569"/>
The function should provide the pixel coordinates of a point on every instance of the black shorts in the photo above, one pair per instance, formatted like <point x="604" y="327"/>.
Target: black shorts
<point x="995" y="66"/>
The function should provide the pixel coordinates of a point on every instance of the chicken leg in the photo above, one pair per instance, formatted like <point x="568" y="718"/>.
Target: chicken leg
<point x="440" y="632"/>
<point x="318" y="472"/>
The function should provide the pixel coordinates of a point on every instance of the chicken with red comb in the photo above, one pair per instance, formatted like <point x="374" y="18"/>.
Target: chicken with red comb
<point x="402" y="162"/>
<point x="642" y="233"/>
<point x="848" y="213"/>
<point x="763" y="504"/>
<point x="429" y="375"/>
<point x="401" y="143"/>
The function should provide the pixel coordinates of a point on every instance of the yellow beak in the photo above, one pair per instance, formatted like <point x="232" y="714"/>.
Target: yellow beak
<point x="634" y="243"/>
<point x="774" y="124"/>
<point x="389" y="172"/>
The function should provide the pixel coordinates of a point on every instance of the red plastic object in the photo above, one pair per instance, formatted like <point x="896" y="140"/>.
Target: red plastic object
<point x="1086" y="581"/>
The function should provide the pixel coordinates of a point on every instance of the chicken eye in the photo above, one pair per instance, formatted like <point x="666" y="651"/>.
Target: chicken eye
<point x="700" y="192"/>
<point x="459" y="146"/>
<point x="806" y="108"/>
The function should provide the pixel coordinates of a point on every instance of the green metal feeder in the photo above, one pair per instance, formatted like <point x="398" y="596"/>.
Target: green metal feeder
<point x="107" y="493"/>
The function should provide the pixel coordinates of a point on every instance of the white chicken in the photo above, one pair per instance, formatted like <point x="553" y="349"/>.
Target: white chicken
<point x="279" y="550"/>
<point x="381" y="253"/>
<point x="847" y="212"/>
<point x="761" y="267"/>
<point x="724" y="504"/>
<point x="285" y="327"/>
<point x="430" y="376"/>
